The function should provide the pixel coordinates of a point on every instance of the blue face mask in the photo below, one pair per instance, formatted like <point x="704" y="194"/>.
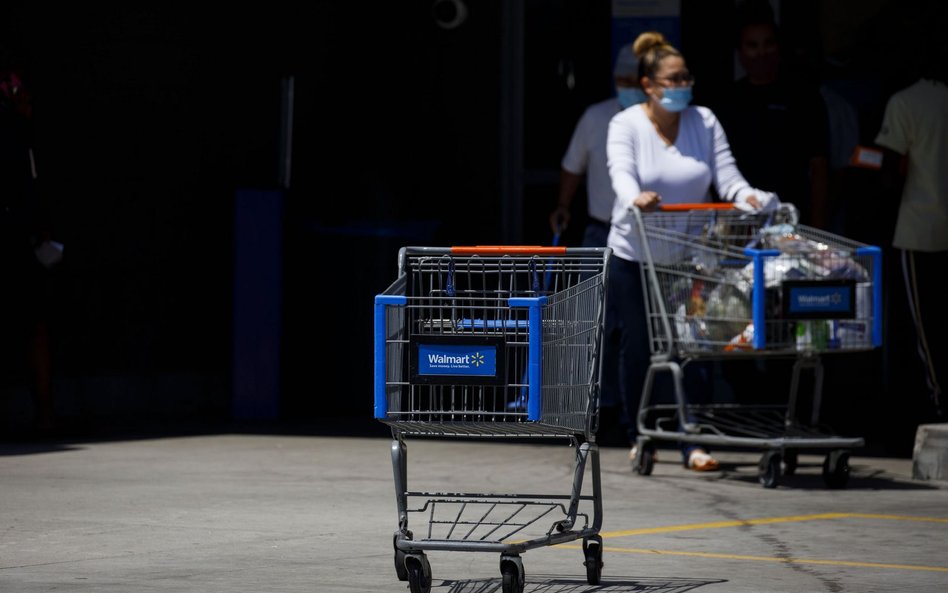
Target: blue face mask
<point x="630" y="95"/>
<point x="675" y="99"/>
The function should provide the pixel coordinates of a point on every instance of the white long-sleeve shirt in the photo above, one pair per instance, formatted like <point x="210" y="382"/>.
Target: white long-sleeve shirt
<point x="639" y="160"/>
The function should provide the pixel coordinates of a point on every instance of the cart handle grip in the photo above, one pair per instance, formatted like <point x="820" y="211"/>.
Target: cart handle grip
<point x="507" y="249"/>
<point x="697" y="206"/>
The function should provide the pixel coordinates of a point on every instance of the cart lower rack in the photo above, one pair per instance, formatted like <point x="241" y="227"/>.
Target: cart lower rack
<point x="492" y="342"/>
<point x="721" y="283"/>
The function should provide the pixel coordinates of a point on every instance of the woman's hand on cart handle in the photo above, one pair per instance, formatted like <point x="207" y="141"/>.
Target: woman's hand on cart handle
<point x="647" y="201"/>
<point x="756" y="200"/>
<point x="753" y="202"/>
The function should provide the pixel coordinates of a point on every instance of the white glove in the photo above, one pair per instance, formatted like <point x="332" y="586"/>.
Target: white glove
<point x="768" y="200"/>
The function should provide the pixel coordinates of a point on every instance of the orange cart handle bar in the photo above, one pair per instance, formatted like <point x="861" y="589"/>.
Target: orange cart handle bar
<point x="698" y="206"/>
<point x="507" y="250"/>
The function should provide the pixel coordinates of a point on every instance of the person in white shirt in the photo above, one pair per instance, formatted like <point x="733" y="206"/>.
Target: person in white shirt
<point x="659" y="152"/>
<point x="914" y="135"/>
<point x="586" y="155"/>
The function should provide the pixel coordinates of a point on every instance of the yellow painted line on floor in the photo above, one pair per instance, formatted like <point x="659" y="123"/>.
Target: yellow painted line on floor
<point x="896" y="517"/>
<point x="767" y="521"/>
<point x="766" y="558"/>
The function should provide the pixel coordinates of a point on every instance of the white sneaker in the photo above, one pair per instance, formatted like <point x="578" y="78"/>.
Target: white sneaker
<point x="700" y="461"/>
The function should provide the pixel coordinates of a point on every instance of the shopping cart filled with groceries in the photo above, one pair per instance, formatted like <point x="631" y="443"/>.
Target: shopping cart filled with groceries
<point x="722" y="283"/>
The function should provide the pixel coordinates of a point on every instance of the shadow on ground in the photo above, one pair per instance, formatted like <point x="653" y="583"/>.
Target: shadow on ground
<point x="560" y="584"/>
<point x="809" y="476"/>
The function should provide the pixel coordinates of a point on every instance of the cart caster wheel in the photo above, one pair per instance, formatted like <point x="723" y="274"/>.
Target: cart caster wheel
<point x="592" y="550"/>
<point x="419" y="573"/>
<point x="644" y="461"/>
<point x="836" y="469"/>
<point x="400" y="569"/>
<point x="768" y="470"/>
<point x="511" y="573"/>
<point x="790" y="462"/>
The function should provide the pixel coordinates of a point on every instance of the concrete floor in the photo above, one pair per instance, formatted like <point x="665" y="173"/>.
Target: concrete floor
<point x="308" y="513"/>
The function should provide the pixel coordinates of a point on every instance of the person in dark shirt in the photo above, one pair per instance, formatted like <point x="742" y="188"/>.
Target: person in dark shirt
<point x="777" y="124"/>
<point x="24" y="249"/>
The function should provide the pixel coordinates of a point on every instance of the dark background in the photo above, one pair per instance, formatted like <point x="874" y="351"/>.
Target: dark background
<point x="149" y="120"/>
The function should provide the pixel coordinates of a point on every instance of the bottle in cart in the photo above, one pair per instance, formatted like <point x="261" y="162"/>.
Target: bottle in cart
<point x="813" y="334"/>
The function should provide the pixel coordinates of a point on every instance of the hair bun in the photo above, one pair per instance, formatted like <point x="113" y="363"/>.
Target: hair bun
<point x="648" y="40"/>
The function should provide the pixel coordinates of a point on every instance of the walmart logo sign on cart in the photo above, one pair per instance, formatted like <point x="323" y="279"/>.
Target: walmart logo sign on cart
<point x="821" y="299"/>
<point x="447" y="359"/>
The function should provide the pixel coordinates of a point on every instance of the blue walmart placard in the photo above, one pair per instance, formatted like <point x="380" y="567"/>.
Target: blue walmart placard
<point x="457" y="360"/>
<point x="819" y="299"/>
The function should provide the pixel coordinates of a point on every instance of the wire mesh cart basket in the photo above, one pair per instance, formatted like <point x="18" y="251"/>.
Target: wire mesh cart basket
<point x="723" y="283"/>
<point x="493" y="342"/>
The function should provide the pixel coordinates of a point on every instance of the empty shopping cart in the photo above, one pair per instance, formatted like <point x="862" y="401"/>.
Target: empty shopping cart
<point x="492" y="342"/>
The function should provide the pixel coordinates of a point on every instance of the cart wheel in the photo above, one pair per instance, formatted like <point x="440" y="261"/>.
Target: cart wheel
<point x="644" y="461"/>
<point x="790" y="461"/>
<point x="511" y="573"/>
<point x="419" y="573"/>
<point x="836" y="469"/>
<point x="592" y="550"/>
<point x="400" y="569"/>
<point x="768" y="470"/>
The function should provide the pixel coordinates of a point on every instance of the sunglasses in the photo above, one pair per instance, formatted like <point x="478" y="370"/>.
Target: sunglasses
<point x="677" y="79"/>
